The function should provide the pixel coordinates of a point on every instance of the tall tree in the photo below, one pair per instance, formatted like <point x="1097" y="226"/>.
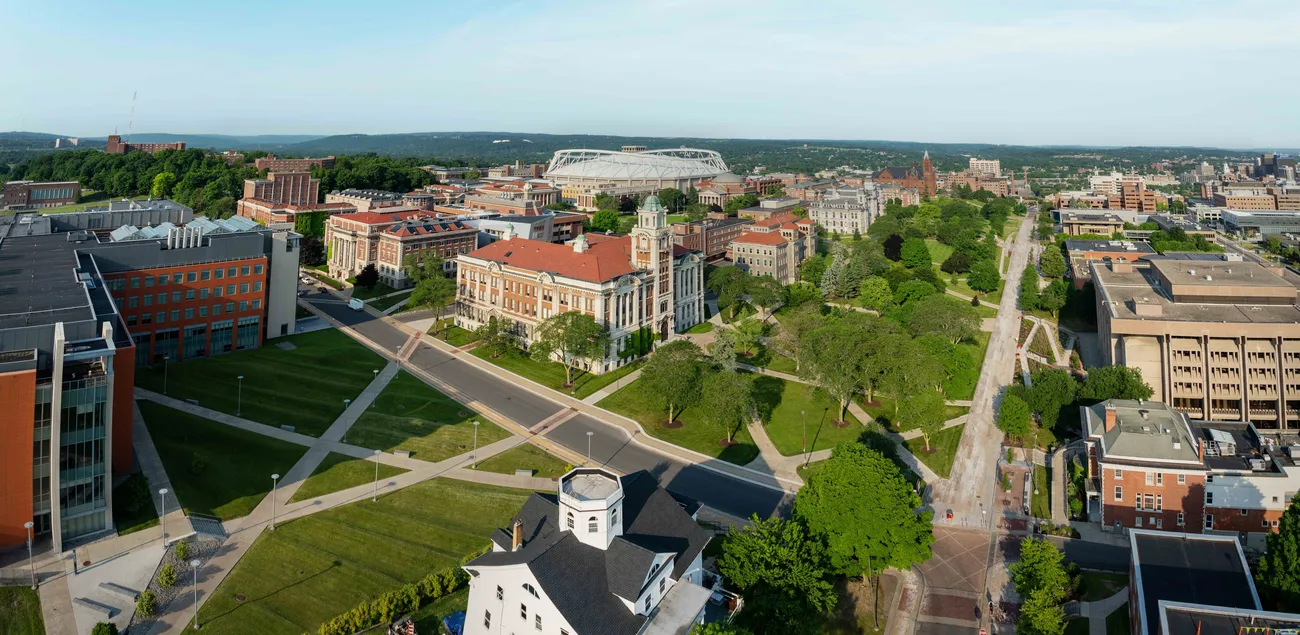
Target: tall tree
<point x="789" y="339"/>
<point x="894" y="247"/>
<point x="945" y="316"/>
<point x="722" y="352"/>
<point x="1052" y="262"/>
<point x="672" y="199"/>
<point x="368" y="277"/>
<point x="748" y="334"/>
<point x="163" y="182"/>
<point x="1042" y="580"/>
<point x="957" y="262"/>
<point x="765" y="292"/>
<point x="867" y="513"/>
<point x="915" y="254"/>
<point x="496" y="335"/>
<point x="728" y="401"/>
<point x="605" y="220"/>
<point x="1115" y="382"/>
<point x="783" y="572"/>
<point x="833" y="360"/>
<point x="576" y="338"/>
<point x="923" y="412"/>
<point x="1053" y="298"/>
<point x="433" y="290"/>
<point x="984" y="277"/>
<point x="671" y="377"/>
<point x="1013" y="416"/>
<point x="1278" y="572"/>
<point x="730" y="285"/>
<point x="830" y="282"/>
<point x="874" y="293"/>
<point x="1029" y="289"/>
<point x="1053" y="388"/>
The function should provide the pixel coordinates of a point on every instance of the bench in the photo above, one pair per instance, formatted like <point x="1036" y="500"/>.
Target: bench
<point x="406" y="454"/>
<point x="120" y="590"/>
<point x="98" y="607"/>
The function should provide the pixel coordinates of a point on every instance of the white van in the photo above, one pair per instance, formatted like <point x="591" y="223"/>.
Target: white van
<point x="356" y="305"/>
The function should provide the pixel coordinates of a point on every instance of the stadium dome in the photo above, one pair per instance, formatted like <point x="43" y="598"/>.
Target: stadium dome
<point x="679" y="167"/>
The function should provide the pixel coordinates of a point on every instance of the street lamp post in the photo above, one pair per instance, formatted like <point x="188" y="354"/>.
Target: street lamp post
<point x="589" y="435"/>
<point x="194" y="564"/>
<point x="274" y="479"/>
<point x="162" y="499"/>
<point x="804" y="415"/>
<point x="239" y="403"/>
<point x="374" y="498"/>
<point x="376" y="372"/>
<point x="474" y="457"/>
<point x="30" y="564"/>
<point x="166" y="358"/>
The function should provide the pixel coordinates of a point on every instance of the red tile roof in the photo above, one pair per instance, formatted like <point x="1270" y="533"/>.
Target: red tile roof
<point x="761" y="238"/>
<point x="777" y="220"/>
<point x="381" y="218"/>
<point x="605" y="260"/>
<point x="425" y="227"/>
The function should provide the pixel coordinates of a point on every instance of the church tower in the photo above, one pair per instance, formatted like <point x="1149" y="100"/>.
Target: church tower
<point x="652" y="252"/>
<point x="928" y="179"/>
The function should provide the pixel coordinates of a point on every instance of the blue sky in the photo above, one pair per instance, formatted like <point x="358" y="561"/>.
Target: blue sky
<point x="1016" y="72"/>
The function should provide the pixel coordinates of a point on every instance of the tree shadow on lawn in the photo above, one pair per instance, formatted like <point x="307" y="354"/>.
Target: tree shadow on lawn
<point x="250" y="601"/>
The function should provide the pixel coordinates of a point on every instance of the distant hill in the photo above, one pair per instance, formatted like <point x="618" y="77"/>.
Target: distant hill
<point x="221" y="142"/>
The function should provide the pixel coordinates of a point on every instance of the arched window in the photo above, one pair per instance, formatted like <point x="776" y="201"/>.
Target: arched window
<point x="531" y="590"/>
<point x="593" y="525"/>
<point x="569" y="521"/>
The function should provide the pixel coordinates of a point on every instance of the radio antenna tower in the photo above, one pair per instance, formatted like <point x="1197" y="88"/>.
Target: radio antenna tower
<point x="130" y="123"/>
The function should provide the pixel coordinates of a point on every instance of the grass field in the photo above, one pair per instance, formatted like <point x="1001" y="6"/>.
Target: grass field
<point x="304" y="387"/>
<point x="1096" y="585"/>
<point x="551" y="374"/>
<point x="338" y="472"/>
<point x="429" y="618"/>
<point x="1042" y="343"/>
<point x="977" y="350"/>
<point x="882" y="411"/>
<point x="379" y="304"/>
<point x="1040" y="504"/>
<point x="939" y="252"/>
<point x="944" y="445"/>
<point x="695" y="434"/>
<point x="20" y="611"/>
<point x="702" y="327"/>
<point x="215" y="469"/>
<point x="78" y="207"/>
<point x="786" y="399"/>
<point x="362" y="293"/>
<point x="452" y="334"/>
<point x="763" y="357"/>
<point x="410" y="415"/>
<point x="961" y="287"/>
<point x="134" y="491"/>
<point x="526" y="456"/>
<point x="315" y="567"/>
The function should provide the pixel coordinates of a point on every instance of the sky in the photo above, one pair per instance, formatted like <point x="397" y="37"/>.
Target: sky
<point x="1033" y="72"/>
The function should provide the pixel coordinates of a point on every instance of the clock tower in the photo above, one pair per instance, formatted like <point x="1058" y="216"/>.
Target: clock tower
<point x="652" y="252"/>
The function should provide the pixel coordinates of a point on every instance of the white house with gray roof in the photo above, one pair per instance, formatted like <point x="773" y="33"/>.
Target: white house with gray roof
<point x="606" y="555"/>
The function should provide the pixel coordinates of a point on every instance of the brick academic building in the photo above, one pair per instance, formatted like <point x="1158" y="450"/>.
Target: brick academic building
<point x="922" y="178"/>
<point x="115" y="145"/>
<point x="89" y="297"/>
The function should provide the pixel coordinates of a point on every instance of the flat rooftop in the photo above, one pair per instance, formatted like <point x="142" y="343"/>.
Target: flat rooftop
<point x="1117" y="246"/>
<point x="1219" y="272"/>
<point x="1143" y="430"/>
<point x="1183" y="619"/>
<point x="1082" y="217"/>
<point x="38" y="283"/>
<point x="1122" y="291"/>
<point x="590" y="485"/>
<point x="1239" y="448"/>
<point x="1192" y="569"/>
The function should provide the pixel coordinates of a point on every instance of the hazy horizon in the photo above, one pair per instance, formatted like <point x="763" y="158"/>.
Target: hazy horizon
<point x="1020" y="73"/>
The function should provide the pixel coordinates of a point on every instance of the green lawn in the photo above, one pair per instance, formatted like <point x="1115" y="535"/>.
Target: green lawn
<point x="410" y="415"/>
<point x="939" y="252"/>
<point x="977" y="350"/>
<point x="362" y="293"/>
<point x="429" y="618"/>
<point x="310" y="569"/>
<point x="677" y="218"/>
<point x="786" y="399"/>
<point x="1096" y="585"/>
<point x="20" y="611"/>
<point x="695" y="434"/>
<point x="1040" y="504"/>
<point x="379" y="304"/>
<point x="702" y="327"/>
<point x="882" y="411"/>
<point x="961" y="287"/>
<point x="338" y="472"/>
<point x="304" y="387"/>
<point x="743" y="311"/>
<point x="551" y="374"/>
<point x="806" y="471"/>
<point x="81" y="207"/>
<point x="215" y="469"/>
<point x="763" y="357"/>
<point x="301" y="313"/>
<point x="1042" y="343"/>
<point x="328" y="280"/>
<point x="452" y="334"/>
<point x="133" y="507"/>
<point x="526" y="456"/>
<point x="944" y="446"/>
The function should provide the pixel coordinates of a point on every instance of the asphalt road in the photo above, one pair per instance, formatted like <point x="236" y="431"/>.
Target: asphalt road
<point x="609" y="443"/>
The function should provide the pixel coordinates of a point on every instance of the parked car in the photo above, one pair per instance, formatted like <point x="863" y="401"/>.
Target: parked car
<point x="321" y="289"/>
<point x="302" y="292"/>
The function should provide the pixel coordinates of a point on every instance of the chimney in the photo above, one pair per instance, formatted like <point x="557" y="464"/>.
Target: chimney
<point x="1200" y="450"/>
<point x="1110" y="418"/>
<point x="580" y="244"/>
<point x="517" y="540"/>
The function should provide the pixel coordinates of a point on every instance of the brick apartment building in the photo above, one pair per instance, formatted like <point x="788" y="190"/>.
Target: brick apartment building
<point x="385" y="238"/>
<point x="978" y="181"/>
<point x="71" y="339"/>
<point x="1153" y="468"/>
<point x="285" y="188"/>
<point x="775" y="247"/>
<point x="273" y="164"/>
<point x="710" y="236"/>
<point x="115" y="145"/>
<point x="628" y="283"/>
<point x="1217" y="339"/>
<point x="35" y="195"/>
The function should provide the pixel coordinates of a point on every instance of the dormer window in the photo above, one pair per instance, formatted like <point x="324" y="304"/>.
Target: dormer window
<point x="654" y="570"/>
<point x="593" y="525"/>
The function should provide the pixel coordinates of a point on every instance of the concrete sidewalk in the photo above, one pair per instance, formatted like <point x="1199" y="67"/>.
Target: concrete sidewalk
<point x="618" y="384"/>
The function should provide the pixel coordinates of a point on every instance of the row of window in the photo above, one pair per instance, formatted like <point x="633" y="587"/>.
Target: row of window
<point x="162" y="317"/>
<point x="191" y="276"/>
<point x="1155" y="478"/>
<point x="191" y="294"/>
